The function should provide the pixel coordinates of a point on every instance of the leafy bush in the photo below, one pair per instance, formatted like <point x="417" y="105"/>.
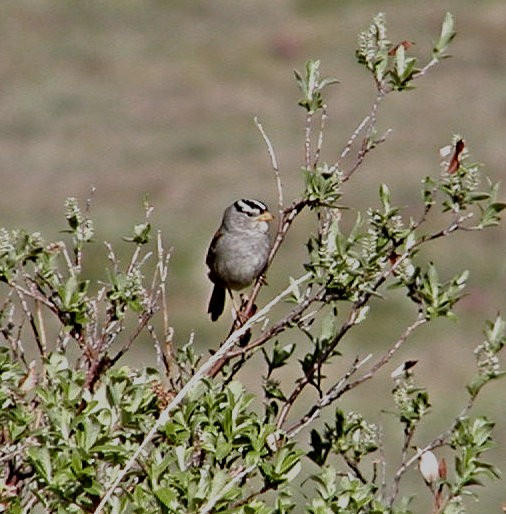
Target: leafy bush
<point x="81" y="434"/>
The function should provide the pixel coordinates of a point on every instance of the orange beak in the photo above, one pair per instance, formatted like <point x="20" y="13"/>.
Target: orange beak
<point x="266" y="216"/>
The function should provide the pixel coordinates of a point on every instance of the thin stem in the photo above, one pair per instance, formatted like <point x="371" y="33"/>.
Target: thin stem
<point x="163" y="267"/>
<point x="307" y="140"/>
<point x="31" y="320"/>
<point x="421" y="320"/>
<point x="270" y="333"/>
<point x="425" y="69"/>
<point x="274" y="163"/>
<point x="282" y="324"/>
<point x="354" y="136"/>
<point x="327" y="399"/>
<point x="319" y="144"/>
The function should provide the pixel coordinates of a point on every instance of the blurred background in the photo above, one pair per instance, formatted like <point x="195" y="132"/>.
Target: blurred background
<point x="158" y="97"/>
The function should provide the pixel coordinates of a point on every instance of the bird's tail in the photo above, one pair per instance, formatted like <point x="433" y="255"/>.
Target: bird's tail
<point x="217" y="302"/>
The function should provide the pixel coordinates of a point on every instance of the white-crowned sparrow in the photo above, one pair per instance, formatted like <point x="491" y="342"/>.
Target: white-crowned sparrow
<point x="239" y="250"/>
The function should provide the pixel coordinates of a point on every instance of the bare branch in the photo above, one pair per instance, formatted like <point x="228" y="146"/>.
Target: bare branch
<point x="421" y="320"/>
<point x="327" y="399"/>
<point x="319" y="144"/>
<point x="31" y="320"/>
<point x="307" y="140"/>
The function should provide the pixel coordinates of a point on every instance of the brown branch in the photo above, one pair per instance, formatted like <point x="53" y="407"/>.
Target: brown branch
<point x="421" y="320"/>
<point x="102" y="362"/>
<point x="31" y="320"/>
<point x="274" y="330"/>
<point x="292" y="317"/>
<point x="327" y="399"/>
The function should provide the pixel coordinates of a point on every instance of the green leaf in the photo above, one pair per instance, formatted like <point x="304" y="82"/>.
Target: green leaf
<point x="446" y="36"/>
<point x="167" y="497"/>
<point x="141" y="234"/>
<point x="41" y="459"/>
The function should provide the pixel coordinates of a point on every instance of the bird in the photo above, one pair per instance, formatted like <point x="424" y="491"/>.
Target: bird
<point x="239" y="250"/>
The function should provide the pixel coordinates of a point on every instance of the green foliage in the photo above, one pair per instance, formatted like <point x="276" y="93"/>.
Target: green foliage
<point x="312" y="86"/>
<point x="82" y="434"/>
<point x="350" y="436"/>
<point x="390" y="65"/>
<point x="412" y="402"/>
<point x="487" y="356"/>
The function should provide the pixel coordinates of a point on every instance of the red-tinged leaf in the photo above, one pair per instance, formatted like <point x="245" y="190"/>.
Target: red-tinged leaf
<point x="406" y="44"/>
<point x="443" y="471"/>
<point x="455" y="160"/>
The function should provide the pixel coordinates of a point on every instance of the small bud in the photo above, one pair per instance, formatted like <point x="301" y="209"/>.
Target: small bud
<point x="443" y="470"/>
<point x="428" y="465"/>
<point x="274" y="441"/>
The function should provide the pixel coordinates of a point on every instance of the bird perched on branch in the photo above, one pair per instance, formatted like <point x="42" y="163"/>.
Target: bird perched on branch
<point x="239" y="250"/>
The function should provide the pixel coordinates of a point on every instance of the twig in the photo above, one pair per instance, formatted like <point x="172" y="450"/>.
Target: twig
<point x="32" y="294"/>
<point x="307" y="140"/>
<point x="425" y="69"/>
<point x="275" y="167"/>
<point x="421" y="320"/>
<point x="254" y="494"/>
<point x="367" y="124"/>
<point x="327" y="399"/>
<point x="181" y="395"/>
<point x="367" y="146"/>
<point x="163" y="267"/>
<point x="134" y="258"/>
<point x="112" y="257"/>
<point x="29" y="316"/>
<point x="274" y="330"/>
<point x="42" y="327"/>
<point x="270" y="148"/>
<point x="354" y="136"/>
<point x="354" y="467"/>
<point x="319" y="144"/>
<point x="143" y="321"/>
<point x="30" y="504"/>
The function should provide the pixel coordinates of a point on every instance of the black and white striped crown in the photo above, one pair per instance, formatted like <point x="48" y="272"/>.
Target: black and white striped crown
<point x="250" y="207"/>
